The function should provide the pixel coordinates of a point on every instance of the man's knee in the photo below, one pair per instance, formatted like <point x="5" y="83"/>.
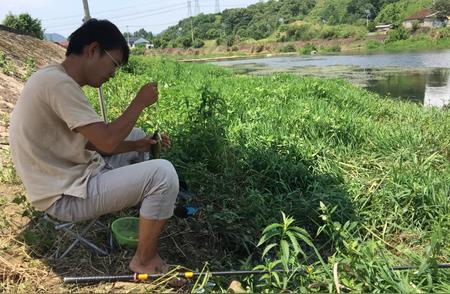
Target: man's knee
<point x="160" y="199"/>
<point x="168" y="175"/>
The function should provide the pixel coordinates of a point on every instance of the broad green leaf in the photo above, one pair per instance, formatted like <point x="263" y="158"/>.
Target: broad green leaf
<point x="277" y="277"/>
<point x="267" y="249"/>
<point x="266" y="237"/>
<point x="271" y="227"/>
<point x="294" y="242"/>
<point x="285" y="252"/>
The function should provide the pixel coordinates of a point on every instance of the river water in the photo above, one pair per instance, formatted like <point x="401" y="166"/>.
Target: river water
<point x="422" y="77"/>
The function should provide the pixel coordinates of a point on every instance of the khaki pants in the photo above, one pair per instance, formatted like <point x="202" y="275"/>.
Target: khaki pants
<point x="127" y="180"/>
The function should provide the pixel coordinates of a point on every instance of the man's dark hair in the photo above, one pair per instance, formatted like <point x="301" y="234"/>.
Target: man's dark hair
<point x="102" y="31"/>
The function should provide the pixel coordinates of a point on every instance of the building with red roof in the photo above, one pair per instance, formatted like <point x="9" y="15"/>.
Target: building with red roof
<point x="425" y="18"/>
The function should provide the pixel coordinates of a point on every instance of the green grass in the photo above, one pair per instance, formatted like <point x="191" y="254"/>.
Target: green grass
<point x="371" y="175"/>
<point x="363" y="183"/>
<point x="423" y="41"/>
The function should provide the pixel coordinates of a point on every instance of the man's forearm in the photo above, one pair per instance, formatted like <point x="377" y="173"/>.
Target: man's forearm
<point x="119" y="129"/>
<point x="107" y="137"/>
<point x="125" y="146"/>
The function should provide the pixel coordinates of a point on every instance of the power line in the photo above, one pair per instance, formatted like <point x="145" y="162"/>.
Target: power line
<point x="125" y="17"/>
<point x="143" y="14"/>
<point x="155" y="25"/>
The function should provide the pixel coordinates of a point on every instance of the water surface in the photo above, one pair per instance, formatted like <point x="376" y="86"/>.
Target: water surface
<point x="422" y="77"/>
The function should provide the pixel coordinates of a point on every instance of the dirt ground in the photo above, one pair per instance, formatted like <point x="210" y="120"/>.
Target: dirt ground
<point x="17" y="48"/>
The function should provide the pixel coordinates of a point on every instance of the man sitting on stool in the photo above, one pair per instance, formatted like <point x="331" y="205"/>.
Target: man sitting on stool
<point x="58" y="142"/>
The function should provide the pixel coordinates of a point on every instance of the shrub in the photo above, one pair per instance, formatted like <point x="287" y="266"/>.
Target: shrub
<point x="6" y="65"/>
<point x="415" y="25"/>
<point x="307" y="49"/>
<point x="328" y="33"/>
<point x="371" y="27"/>
<point x="373" y="44"/>
<point x="257" y="48"/>
<point x="288" y="48"/>
<point x="198" y="43"/>
<point x="330" y="49"/>
<point x="138" y="51"/>
<point x="230" y="41"/>
<point x="30" y="67"/>
<point x="398" y="34"/>
<point x="220" y="41"/>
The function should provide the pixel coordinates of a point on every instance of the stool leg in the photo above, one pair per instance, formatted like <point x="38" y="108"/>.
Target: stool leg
<point x="67" y="228"/>
<point x="80" y="238"/>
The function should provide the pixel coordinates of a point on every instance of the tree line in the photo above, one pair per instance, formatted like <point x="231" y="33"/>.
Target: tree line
<point x="287" y="20"/>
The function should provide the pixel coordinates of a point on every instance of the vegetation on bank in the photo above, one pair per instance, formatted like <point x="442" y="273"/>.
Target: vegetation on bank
<point x="397" y="40"/>
<point x="364" y="181"/>
<point x="290" y="20"/>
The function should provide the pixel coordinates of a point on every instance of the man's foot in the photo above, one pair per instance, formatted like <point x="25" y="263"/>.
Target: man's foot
<point x="155" y="266"/>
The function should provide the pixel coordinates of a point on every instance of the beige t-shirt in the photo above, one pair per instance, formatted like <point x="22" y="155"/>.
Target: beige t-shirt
<point x="49" y="156"/>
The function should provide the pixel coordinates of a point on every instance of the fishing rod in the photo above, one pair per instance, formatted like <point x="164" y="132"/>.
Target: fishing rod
<point x="412" y="267"/>
<point x="190" y="275"/>
<point x="187" y="275"/>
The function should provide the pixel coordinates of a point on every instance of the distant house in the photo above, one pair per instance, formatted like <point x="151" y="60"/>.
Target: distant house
<point x="133" y="42"/>
<point x="426" y="18"/>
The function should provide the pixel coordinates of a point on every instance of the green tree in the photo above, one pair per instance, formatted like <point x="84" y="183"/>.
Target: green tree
<point x="357" y="9"/>
<point x="142" y="33"/>
<point x="391" y="13"/>
<point x="25" y="23"/>
<point x="186" y="42"/>
<point x="443" y="6"/>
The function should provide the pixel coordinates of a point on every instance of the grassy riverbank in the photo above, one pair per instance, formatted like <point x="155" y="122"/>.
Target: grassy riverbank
<point x="367" y="178"/>
<point x="436" y="39"/>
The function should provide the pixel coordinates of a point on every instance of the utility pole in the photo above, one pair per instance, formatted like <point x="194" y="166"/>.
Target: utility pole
<point x="189" y="8"/>
<point x="190" y="18"/>
<point x="197" y="7"/>
<point x="217" y="6"/>
<point x="87" y="16"/>
<point x="128" y="37"/>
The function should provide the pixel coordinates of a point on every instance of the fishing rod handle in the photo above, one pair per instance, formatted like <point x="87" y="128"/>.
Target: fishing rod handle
<point x="94" y="279"/>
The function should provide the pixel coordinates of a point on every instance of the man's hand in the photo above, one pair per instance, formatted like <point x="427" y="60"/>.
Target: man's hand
<point x="147" y="95"/>
<point x="165" y="141"/>
<point x="143" y="145"/>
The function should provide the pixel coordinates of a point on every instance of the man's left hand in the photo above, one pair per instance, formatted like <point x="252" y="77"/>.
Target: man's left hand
<point x="143" y="145"/>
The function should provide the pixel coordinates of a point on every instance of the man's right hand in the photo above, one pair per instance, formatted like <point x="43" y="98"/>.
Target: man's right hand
<point x="147" y="95"/>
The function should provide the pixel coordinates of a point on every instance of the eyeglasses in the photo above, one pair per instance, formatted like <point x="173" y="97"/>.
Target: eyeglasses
<point x="113" y="60"/>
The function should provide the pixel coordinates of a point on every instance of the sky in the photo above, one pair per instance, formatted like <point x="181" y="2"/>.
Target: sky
<point x="65" y="16"/>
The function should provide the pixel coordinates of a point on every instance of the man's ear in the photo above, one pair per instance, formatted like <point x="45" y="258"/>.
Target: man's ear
<point x="90" y="49"/>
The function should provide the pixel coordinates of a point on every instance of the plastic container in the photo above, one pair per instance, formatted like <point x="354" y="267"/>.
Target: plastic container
<point x="126" y="231"/>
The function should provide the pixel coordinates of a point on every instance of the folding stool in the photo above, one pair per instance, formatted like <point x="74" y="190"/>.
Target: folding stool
<point x="71" y="229"/>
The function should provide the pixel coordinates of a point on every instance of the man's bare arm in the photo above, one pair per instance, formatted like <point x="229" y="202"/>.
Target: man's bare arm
<point x="125" y="146"/>
<point x="107" y="137"/>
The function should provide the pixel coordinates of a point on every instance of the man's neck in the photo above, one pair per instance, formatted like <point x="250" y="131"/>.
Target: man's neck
<point x="73" y="67"/>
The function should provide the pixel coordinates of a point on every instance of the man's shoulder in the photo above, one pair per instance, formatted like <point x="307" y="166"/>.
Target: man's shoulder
<point x="49" y="76"/>
<point x="51" y="71"/>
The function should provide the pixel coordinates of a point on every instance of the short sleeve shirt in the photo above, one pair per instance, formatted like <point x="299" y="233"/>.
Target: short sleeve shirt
<point x="48" y="154"/>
